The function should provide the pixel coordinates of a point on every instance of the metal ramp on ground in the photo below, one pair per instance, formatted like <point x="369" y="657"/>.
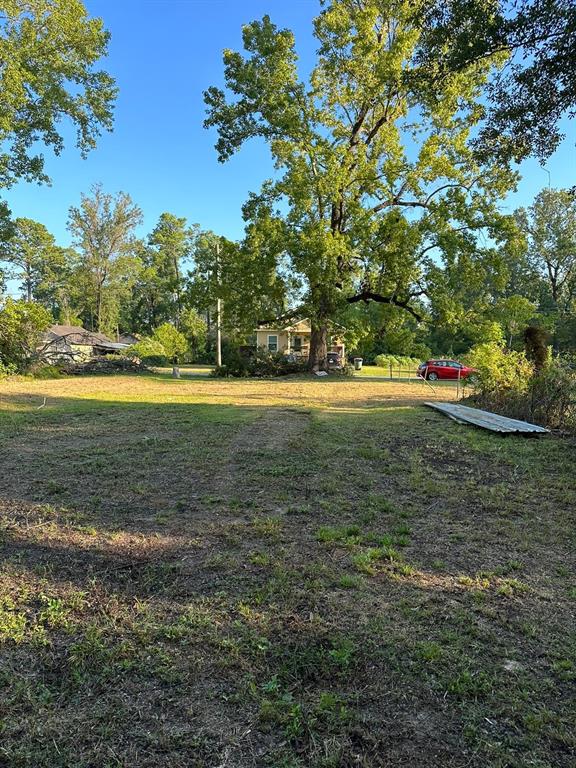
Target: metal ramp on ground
<point x="486" y="420"/>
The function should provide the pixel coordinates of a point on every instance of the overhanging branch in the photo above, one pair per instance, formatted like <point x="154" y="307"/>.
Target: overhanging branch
<point x="298" y="312"/>
<point x="396" y="201"/>
<point x="367" y="296"/>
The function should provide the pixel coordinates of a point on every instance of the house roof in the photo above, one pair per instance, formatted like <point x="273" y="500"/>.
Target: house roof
<point x="74" y="334"/>
<point x="296" y="326"/>
<point x="118" y="345"/>
<point x="128" y="338"/>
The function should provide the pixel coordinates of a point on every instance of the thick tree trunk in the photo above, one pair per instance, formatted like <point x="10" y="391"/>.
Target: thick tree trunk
<point x="318" y="357"/>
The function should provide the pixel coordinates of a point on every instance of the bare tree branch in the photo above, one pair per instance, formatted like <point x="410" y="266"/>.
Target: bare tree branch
<point x="298" y="311"/>
<point x="367" y="296"/>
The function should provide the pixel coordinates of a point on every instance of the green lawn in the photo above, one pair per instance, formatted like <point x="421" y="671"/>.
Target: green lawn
<point x="290" y="573"/>
<point x="397" y="373"/>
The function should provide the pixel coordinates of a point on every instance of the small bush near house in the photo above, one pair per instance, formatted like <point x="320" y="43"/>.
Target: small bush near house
<point x="259" y="363"/>
<point x="173" y="342"/>
<point x="346" y="369"/>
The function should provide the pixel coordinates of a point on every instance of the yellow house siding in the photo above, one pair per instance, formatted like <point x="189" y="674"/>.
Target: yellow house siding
<point x="301" y="327"/>
<point x="262" y="339"/>
<point x="295" y="339"/>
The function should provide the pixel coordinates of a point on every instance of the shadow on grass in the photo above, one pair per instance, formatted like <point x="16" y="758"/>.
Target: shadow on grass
<point x="248" y="585"/>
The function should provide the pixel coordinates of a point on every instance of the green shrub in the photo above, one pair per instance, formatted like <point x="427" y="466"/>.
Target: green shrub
<point x="546" y="397"/>
<point x="398" y="362"/>
<point x="499" y="369"/>
<point x="6" y="369"/>
<point x="171" y="340"/>
<point x="46" y="372"/>
<point x="161" y="348"/>
<point x="259" y="363"/>
<point x="150" y="351"/>
<point x="552" y="395"/>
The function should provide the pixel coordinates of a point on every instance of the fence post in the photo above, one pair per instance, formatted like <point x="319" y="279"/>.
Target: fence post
<point x="390" y="366"/>
<point x="458" y="385"/>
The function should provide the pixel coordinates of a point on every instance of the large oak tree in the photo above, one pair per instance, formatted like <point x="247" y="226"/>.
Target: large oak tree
<point x="376" y="177"/>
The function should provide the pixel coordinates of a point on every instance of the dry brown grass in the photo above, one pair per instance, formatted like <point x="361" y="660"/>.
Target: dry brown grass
<point x="305" y="392"/>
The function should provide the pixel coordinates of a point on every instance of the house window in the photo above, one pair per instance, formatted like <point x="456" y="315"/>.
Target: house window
<point x="298" y="344"/>
<point x="273" y="343"/>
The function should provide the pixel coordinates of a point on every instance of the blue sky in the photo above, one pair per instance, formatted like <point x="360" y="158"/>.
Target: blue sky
<point x="164" y="54"/>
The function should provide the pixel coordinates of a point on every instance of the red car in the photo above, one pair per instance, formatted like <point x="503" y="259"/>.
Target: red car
<point x="444" y="369"/>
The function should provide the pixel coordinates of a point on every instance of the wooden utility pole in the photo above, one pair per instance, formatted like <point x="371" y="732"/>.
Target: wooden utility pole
<point x="218" y="310"/>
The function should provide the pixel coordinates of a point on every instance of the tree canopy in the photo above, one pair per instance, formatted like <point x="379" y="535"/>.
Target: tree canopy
<point x="49" y="49"/>
<point x="537" y="85"/>
<point x="550" y="227"/>
<point x="376" y="178"/>
<point x="171" y="243"/>
<point x="103" y="230"/>
<point x="22" y="325"/>
<point x="31" y="255"/>
<point x="389" y="162"/>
